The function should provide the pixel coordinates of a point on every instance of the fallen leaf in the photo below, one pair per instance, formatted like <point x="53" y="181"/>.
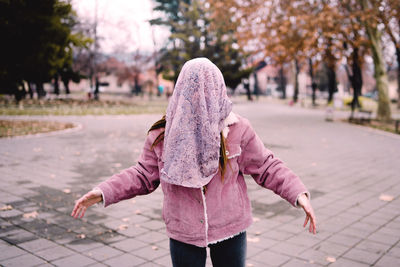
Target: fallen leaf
<point x="154" y="248"/>
<point x="138" y="212"/>
<point x="255" y="219"/>
<point x="32" y="214"/>
<point x="37" y="149"/>
<point x="330" y="259"/>
<point x="249" y="264"/>
<point x="133" y="201"/>
<point x="253" y="240"/>
<point x="81" y="236"/>
<point x="386" y="198"/>
<point x="67" y="191"/>
<point x="6" y="207"/>
<point x="122" y="227"/>
<point x="117" y="165"/>
<point x="77" y="153"/>
<point x="52" y="176"/>
<point x="125" y="219"/>
<point x="258" y="233"/>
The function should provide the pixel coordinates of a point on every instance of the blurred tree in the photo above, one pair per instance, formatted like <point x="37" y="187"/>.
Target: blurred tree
<point x="389" y="16"/>
<point x="195" y="33"/>
<point x="370" y="21"/>
<point x="37" y="43"/>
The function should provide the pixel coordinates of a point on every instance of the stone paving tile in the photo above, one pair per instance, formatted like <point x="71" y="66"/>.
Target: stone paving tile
<point x="129" y="244"/>
<point x="97" y="264"/>
<point x="363" y="256"/>
<point x="82" y="245"/>
<point x="103" y="253"/>
<point x="288" y="248"/>
<point x="387" y="260"/>
<point x="23" y="260"/>
<point x="150" y="264"/>
<point x="10" y="252"/>
<point x="126" y="260"/>
<point x="384" y="238"/>
<point x="74" y="260"/>
<point x="348" y="263"/>
<point x="299" y="263"/>
<point x="315" y="256"/>
<point x="270" y="258"/>
<point x="344" y="240"/>
<point x="394" y="252"/>
<point x="164" y="261"/>
<point x="36" y="245"/>
<point x="263" y="242"/>
<point x="54" y="253"/>
<point x="151" y="237"/>
<point x="332" y="249"/>
<point x="150" y="253"/>
<point x="372" y="246"/>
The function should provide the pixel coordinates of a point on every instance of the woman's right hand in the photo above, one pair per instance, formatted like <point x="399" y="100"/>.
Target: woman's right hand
<point x="87" y="200"/>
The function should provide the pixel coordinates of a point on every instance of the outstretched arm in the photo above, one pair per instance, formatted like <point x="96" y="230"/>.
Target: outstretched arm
<point x="270" y="172"/>
<point x="141" y="179"/>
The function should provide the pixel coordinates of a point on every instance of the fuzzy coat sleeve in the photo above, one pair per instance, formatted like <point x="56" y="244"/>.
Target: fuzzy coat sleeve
<point x="267" y="170"/>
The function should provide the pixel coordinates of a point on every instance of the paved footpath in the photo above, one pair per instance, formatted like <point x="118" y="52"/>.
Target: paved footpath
<point x="352" y="173"/>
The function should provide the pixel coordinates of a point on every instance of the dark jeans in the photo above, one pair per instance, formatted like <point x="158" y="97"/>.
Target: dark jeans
<point x="230" y="252"/>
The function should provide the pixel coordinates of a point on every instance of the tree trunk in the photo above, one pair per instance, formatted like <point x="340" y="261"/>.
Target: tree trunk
<point x="66" y="86"/>
<point x="296" y="81"/>
<point x="332" y="85"/>
<point x="40" y="90"/>
<point x="96" y="89"/>
<point x="256" y="87"/>
<point x="398" y="76"/>
<point x="56" y="85"/>
<point x="30" y="90"/>
<point x="355" y="79"/>
<point x="380" y="74"/>
<point x="282" y="83"/>
<point x="247" y="87"/>
<point x="313" y="83"/>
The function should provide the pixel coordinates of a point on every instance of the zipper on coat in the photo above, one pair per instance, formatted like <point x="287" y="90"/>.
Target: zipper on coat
<point x="203" y="196"/>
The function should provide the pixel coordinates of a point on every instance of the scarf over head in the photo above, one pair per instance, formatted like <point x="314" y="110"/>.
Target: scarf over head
<point x="195" y="117"/>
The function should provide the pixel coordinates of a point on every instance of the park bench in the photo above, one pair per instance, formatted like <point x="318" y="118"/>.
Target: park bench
<point x="361" y="116"/>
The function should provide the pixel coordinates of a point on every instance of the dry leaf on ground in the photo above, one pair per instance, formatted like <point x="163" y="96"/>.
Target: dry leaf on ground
<point x="330" y="259"/>
<point x="122" y="227"/>
<point x="386" y="198"/>
<point x="6" y="207"/>
<point x="253" y="240"/>
<point x="32" y="214"/>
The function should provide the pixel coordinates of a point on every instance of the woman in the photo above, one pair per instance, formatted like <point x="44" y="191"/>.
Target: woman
<point x="200" y="152"/>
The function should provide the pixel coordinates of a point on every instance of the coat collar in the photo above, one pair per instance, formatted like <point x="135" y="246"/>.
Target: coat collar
<point x="230" y="120"/>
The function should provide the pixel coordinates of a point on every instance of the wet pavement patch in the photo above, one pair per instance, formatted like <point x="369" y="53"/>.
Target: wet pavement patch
<point x="45" y="220"/>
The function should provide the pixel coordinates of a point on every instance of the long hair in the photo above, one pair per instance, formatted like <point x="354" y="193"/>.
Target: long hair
<point x="223" y="159"/>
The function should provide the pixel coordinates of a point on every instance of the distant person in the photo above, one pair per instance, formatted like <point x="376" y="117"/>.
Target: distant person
<point x="200" y="152"/>
<point x="160" y="90"/>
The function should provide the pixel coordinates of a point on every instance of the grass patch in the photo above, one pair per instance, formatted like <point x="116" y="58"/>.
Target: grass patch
<point x="380" y="125"/>
<point x="10" y="128"/>
<point x="77" y="107"/>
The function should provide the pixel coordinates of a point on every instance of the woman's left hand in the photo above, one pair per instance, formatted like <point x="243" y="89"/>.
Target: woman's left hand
<point x="305" y="203"/>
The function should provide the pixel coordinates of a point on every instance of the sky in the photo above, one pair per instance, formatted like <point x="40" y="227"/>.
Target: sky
<point x="122" y="24"/>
